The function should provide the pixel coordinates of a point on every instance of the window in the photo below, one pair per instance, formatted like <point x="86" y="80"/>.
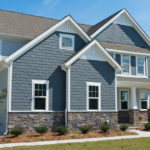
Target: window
<point x="140" y="65"/>
<point x="40" y="94"/>
<point x="112" y="55"/>
<point x="144" y="99"/>
<point x="66" y="41"/>
<point x="93" y="95"/>
<point x="125" y="64"/>
<point x="124" y="97"/>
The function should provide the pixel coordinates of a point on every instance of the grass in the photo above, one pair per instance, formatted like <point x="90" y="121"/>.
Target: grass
<point x="129" y="144"/>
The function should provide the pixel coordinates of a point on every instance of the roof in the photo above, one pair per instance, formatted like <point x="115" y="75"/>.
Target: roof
<point x="19" y="24"/>
<point x="77" y="55"/>
<point x="128" y="79"/>
<point x="124" y="47"/>
<point x="94" y="28"/>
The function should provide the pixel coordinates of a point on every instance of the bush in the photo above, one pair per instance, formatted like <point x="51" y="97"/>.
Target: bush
<point x="147" y="126"/>
<point x="104" y="128"/>
<point x="85" y="129"/>
<point x="123" y="127"/>
<point x="62" y="130"/>
<point x="41" y="130"/>
<point x="16" y="131"/>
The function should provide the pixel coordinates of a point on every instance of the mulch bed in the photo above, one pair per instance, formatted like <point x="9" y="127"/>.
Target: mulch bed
<point x="33" y="137"/>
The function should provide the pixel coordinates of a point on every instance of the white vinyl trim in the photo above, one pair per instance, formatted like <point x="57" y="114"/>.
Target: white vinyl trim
<point x="98" y="84"/>
<point x="43" y="36"/>
<point x="47" y="94"/>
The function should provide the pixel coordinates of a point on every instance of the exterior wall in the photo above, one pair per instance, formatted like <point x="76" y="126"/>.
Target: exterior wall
<point x="42" y="62"/>
<point x="29" y="120"/>
<point x="94" y="119"/>
<point x="3" y="79"/>
<point x="83" y="71"/>
<point x="121" y="34"/>
<point x="8" y="47"/>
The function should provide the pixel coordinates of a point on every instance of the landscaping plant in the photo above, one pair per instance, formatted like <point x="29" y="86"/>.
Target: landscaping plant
<point x="123" y="127"/>
<point x="41" y="130"/>
<point x="16" y="131"/>
<point x="85" y="129"/>
<point x="104" y="127"/>
<point x="62" y="130"/>
<point x="147" y="126"/>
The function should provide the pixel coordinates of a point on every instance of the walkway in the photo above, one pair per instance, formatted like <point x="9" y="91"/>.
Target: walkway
<point x="140" y="135"/>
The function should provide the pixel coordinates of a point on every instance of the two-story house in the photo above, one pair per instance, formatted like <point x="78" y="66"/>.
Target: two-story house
<point x="55" y="72"/>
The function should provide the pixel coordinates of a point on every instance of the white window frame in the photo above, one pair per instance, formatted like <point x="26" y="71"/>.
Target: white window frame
<point x="87" y="93"/>
<point x="66" y="36"/>
<point x="47" y="94"/>
<point x="114" y="55"/>
<point x="145" y="60"/>
<point x="143" y="100"/>
<point x="126" y="90"/>
<point x="126" y="73"/>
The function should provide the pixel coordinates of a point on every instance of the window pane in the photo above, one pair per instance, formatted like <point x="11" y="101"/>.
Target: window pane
<point x="36" y="86"/>
<point x="140" y="60"/>
<point x="40" y="103"/>
<point x="124" y="105"/>
<point x="93" y="91"/>
<point x="124" y="95"/>
<point x="144" y="105"/>
<point x="125" y="59"/>
<point x="93" y="104"/>
<point x="125" y="68"/>
<point x="125" y="63"/>
<point x="112" y="55"/>
<point x="141" y="69"/>
<point x="66" y="42"/>
<point x="144" y="95"/>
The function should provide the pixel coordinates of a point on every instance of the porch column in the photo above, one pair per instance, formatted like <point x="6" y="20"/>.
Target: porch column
<point x="133" y="98"/>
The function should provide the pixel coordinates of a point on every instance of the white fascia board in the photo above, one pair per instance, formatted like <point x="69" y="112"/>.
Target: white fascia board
<point x="106" y="25"/>
<point x="94" y="42"/>
<point x="130" y="84"/>
<point x="127" y="52"/>
<point x="42" y="37"/>
<point x="136" y="26"/>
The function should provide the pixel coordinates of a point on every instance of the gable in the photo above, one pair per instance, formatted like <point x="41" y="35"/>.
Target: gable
<point x="121" y="34"/>
<point x="93" y="54"/>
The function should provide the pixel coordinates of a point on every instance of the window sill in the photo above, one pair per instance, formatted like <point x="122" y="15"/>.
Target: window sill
<point x="131" y="76"/>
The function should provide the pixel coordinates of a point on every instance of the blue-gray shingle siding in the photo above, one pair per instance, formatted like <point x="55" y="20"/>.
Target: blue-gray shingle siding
<point x="121" y="34"/>
<point x="42" y="62"/>
<point x="83" y="71"/>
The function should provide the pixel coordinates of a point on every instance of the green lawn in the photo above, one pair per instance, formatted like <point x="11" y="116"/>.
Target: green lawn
<point x="130" y="144"/>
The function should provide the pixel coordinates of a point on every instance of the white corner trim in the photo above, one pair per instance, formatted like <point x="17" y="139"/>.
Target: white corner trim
<point x="68" y="87"/>
<point x="43" y="36"/>
<point x="127" y="52"/>
<point x="61" y="35"/>
<point x="9" y="84"/>
<point x="116" y="96"/>
<point x="47" y="95"/>
<point x="87" y="95"/>
<point x="136" y="26"/>
<point x="94" y="42"/>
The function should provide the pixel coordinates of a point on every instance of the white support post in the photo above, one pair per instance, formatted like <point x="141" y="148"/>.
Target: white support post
<point x="133" y="98"/>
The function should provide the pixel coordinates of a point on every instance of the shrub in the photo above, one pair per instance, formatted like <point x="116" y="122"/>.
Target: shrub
<point x="85" y="129"/>
<point x="147" y="126"/>
<point x="123" y="127"/>
<point x="41" y="130"/>
<point x="16" y="131"/>
<point x="105" y="127"/>
<point x="62" y="130"/>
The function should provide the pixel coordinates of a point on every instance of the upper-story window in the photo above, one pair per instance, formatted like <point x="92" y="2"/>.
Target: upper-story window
<point x="140" y="65"/>
<point x="125" y="63"/>
<point x="66" y="41"/>
<point x="112" y="55"/>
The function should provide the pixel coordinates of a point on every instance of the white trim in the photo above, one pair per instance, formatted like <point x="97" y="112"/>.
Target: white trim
<point x="116" y="96"/>
<point x="43" y="36"/>
<point x="61" y="35"/>
<point x="10" y="68"/>
<point x="47" y="94"/>
<point x="93" y="111"/>
<point x="127" y="52"/>
<point x="94" y="42"/>
<point x="135" y="25"/>
<point x="131" y="76"/>
<point x="30" y="111"/>
<point x="98" y="84"/>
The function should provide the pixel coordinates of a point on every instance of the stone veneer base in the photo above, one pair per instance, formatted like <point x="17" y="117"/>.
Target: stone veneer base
<point x="29" y="120"/>
<point x="94" y="119"/>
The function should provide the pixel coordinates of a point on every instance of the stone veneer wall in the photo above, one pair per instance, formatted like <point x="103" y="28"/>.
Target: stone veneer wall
<point x="94" y="119"/>
<point x="123" y="117"/>
<point x="29" y="120"/>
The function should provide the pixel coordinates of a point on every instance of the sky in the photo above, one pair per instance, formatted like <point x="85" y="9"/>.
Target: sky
<point x="83" y="11"/>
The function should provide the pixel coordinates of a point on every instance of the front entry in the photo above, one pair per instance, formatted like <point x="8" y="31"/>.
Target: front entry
<point x="3" y="116"/>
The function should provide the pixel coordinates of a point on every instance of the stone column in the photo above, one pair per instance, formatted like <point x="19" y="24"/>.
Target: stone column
<point x="134" y="112"/>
